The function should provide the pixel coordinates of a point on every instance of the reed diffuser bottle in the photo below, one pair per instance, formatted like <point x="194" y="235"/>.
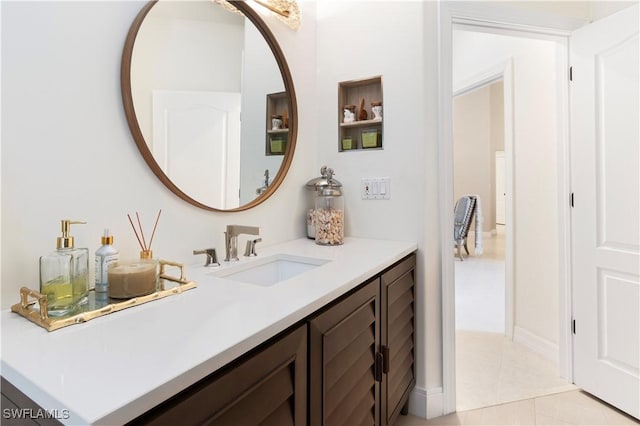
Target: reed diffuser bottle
<point x="139" y="277"/>
<point x="64" y="274"/>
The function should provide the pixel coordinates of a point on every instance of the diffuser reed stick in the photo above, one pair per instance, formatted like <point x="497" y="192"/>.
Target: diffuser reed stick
<point x="154" y="228"/>
<point x="141" y="231"/>
<point x="135" y="232"/>
<point x="143" y="242"/>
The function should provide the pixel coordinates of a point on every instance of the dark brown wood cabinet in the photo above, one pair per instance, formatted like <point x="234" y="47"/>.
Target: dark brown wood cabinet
<point x="266" y="387"/>
<point x="361" y="352"/>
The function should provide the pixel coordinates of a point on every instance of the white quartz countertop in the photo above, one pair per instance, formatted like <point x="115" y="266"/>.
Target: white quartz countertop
<point x="114" y="368"/>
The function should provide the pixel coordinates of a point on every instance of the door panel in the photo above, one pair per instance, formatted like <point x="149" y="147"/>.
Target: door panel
<point x="606" y="214"/>
<point x="196" y="143"/>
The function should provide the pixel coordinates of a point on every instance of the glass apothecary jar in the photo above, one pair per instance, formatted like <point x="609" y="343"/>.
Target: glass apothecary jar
<point x="329" y="217"/>
<point x="314" y="188"/>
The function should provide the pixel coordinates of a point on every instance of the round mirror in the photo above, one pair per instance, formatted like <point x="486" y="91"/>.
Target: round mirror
<point x="210" y="102"/>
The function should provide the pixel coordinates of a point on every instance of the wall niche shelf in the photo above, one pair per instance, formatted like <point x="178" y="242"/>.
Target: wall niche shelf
<point x="364" y="134"/>
<point x="277" y="139"/>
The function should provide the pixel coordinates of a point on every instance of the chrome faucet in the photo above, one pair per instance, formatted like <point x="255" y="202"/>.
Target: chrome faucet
<point x="231" y="239"/>
<point x="250" y="249"/>
<point x="212" y="257"/>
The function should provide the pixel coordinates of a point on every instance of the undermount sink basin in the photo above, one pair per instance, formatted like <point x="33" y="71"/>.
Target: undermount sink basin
<point x="270" y="270"/>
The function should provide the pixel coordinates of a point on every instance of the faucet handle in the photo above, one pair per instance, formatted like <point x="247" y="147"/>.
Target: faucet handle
<point x="212" y="256"/>
<point x="250" y="249"/>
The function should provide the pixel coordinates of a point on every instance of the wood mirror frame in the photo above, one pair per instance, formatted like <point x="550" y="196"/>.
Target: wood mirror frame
<point x="127" y="98"/>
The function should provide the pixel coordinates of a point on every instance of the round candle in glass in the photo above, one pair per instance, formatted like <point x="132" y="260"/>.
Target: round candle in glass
<point x="134" y="278"/>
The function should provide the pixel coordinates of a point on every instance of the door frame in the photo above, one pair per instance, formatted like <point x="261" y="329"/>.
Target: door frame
<point x="501" y="19"/>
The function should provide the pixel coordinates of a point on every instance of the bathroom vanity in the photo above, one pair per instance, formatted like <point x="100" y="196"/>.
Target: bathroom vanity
<point x="335" y="341"/>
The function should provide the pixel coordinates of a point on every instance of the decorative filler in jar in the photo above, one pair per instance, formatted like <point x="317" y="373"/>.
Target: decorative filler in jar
<point x="315" y="187"/>
<point x="329" y="217"/>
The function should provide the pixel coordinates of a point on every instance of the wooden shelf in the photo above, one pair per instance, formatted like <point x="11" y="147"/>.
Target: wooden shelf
<point x="361" y="134"/>
<point x="362" y="123"/>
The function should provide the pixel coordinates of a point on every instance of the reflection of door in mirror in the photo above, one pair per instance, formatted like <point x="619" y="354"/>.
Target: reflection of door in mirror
<point x="196" y="143"/>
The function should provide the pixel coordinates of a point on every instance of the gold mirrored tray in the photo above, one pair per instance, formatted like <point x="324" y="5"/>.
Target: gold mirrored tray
<point x="33" y="305"/>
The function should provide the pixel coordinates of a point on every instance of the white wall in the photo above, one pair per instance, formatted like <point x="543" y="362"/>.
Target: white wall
<point x="478" y="132"/>
<point x="67" y="151"/>
<point x="471" y="149"/>
<point x="585" y="10"/>
<point x="535" y="165"/>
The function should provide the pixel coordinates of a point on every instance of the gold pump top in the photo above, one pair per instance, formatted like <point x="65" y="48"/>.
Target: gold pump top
<point x="66" y="241"/>
<point x="106" y="238"/>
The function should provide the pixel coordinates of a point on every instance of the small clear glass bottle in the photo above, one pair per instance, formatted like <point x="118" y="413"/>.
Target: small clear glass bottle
<point x="64" y="275"/>
<point x="329" y="216"/>
<point x="106" y="255"/>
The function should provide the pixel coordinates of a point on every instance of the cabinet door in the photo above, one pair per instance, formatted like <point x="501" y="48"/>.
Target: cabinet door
<point x="343" y="347"/>
<point x="266" y="388"/>
<point x="397" y="337"/>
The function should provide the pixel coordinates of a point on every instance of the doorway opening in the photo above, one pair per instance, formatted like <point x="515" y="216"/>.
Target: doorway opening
<point x="507" y="291"/>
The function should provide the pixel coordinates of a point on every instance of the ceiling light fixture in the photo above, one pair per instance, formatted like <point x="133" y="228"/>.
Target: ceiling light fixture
<point x="286" y="10"/>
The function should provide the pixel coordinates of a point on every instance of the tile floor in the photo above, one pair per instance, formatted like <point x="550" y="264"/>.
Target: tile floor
<point x="491" y="369"/>
<point x="566" y="408"/>
<point x="480" y="288"/>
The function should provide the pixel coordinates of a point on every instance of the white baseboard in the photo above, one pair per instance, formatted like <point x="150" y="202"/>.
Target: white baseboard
<point x="426" y="403"/>
<point x="539" y="345"/>
<point x="435" y="403"/>
<point x="418" y="402"/>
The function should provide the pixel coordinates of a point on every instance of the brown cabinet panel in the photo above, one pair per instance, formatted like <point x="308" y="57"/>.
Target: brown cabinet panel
<point x="343" y="341"/>
<point x="267" y="387"/>
<point x="397" y="337"/>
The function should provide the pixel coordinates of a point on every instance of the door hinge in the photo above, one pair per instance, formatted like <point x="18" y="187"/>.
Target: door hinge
<point x="385" y="359"/>
<point x="570" y="73"/>
<point x="573" y="326"/>
<point x="572" y="205"/>
<point x="378" y="367"/>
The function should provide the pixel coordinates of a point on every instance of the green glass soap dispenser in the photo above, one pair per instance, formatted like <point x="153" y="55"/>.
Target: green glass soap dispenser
<point x="64" y="275"/>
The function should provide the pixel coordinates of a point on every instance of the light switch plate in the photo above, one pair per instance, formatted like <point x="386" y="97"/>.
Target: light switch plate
<point x="375" y="188"/>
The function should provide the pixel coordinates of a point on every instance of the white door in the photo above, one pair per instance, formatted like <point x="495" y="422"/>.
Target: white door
<point x="196" y="143"/>
<point x="606" y="213"/>
<point x="501" y="188"/>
